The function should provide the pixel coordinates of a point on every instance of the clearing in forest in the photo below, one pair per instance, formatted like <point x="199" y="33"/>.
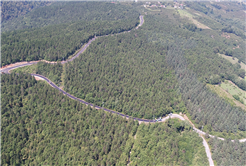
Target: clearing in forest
<point x="225" y="95"/>
<point x="231" y="88"/>
<point x="233" y="60"/>
<point x="185" y="13"/>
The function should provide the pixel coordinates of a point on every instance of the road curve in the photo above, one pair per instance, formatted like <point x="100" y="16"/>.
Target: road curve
<point x="205" y="144"/>
<point x="6" y="69"/>
<point x="209" y="155"/>
<point x="87" y="103"/>
<point x="123" y="115"/>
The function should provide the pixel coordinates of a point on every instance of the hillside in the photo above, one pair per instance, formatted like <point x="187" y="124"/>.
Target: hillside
<point x="42" y="126"/>
<point x="66" y="12"/>
<point x="185" y="58"/>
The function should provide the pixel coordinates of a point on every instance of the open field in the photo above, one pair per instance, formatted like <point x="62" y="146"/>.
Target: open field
<point x="234" y="90"/>
<point x="233" y="61"/>
<point x="185" y="13"/>
<point x="155" y="10"/>
<point x="225" y="95"/>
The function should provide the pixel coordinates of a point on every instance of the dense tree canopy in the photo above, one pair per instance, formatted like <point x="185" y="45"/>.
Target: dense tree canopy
<point x="172" y="143"/>
<point x="56" y="42"/>
<point x="65" y="12"/>
<point x="127" y="74"/>
<point x="228" y="153"/>
<point x="42" y="126"/>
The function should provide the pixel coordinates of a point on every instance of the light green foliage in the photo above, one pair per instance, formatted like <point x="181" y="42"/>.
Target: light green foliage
<point x="234" y="91"/>
<point x="167" y="144"/>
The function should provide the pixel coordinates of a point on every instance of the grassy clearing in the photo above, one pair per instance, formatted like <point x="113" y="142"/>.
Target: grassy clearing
<point x="231" y="88"/>
<point x="222" y="93"/>
<point x="233" y="60"/>
<point x="185" y="13"/>
<point x="156" y="10"/>
<point x="225" y="95"/>
<point x="26" y="69"/>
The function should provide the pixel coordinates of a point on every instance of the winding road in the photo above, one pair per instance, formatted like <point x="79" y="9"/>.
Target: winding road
<point x="6" y="70"/>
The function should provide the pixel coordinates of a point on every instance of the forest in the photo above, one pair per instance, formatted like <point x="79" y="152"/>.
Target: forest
<point x="66" y="12"/>
<point x="44" y="43"/>
<point x="13" y="9"/>
<point x="126" y="73"/>
<point x="172" y="143"/>
<point x="162" y="67"/>
<point x="130" y="73"/>
<point x="42" y="126"/>
<point x="228" y="153"/>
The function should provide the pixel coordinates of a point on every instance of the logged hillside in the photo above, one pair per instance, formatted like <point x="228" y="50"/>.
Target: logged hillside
<point x="42" y="126"/>
<point x="65" y="12"/>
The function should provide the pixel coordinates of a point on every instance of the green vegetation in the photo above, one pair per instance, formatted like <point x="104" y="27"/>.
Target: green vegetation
<point x="66" y="12"/>
<point x="25" y="69"/>
<point x="172" y="143"/>
<point x="191" y="56"/>
<point x="40" y="125"/>
<point x="227" y="152"/>
<point x="225" y="95"/>
<point x="56" y="42"/>
<point x="13" y="9"/>
<point x="127" y="74"/>
<point x="227" y="20"/>
<point x="236" y="92"/>
<point x="53" y="71"/>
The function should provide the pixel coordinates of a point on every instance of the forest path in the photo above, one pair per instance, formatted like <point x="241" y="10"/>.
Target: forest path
<point x="7" y="68"/>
